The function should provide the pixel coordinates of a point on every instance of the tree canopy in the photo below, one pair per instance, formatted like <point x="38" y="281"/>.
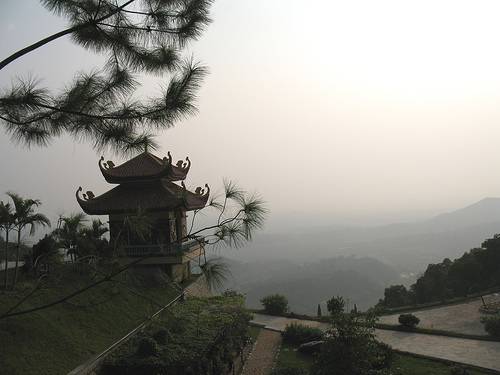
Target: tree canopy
<point x="102" y="107"/>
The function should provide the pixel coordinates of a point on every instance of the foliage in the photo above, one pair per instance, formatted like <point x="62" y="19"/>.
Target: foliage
<point x="138" y="37"/>
<point x="492" y="325"/>
<point x="216" y="273"/>
<point x="275" y="304"/>
<point x="298" y="334"/>
<point x="473" y="272"/>
<point x="408" y="320"/>
<point x="203" y="337"/>
<point x="458" y="370"/>
<point x="81" y="240"/>
<point x="239" y="215"/>
<point x="335" y="305"/>
<point x="402" y="364"/>
<point x="397" y="295"/>
<point x="289" y="371"/>
<point x="25" y="216"/>
<point x="45" y="252"/>
<point x="319" y="313"/>
<point x="7" y="221"/>
<point x="350" y="348"/>
<point x="58" y="339"/>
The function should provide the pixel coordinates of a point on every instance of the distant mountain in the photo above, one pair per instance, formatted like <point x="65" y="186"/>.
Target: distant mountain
<point x="407" y="246"/>
<point x="357" y="262"/>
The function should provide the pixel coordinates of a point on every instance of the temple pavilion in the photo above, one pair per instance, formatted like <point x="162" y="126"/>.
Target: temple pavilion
<point x="147" y="183"/>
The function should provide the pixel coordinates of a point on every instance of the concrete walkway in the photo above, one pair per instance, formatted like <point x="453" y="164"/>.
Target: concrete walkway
<point x="462" y="318"/>
<point x="473" y="352"/>
<point x="261" y="360"/>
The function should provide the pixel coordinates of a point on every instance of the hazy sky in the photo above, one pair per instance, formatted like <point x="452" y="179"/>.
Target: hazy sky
<point x="340" y="109"/>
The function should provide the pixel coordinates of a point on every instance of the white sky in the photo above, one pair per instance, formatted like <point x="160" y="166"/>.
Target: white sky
<point x="329" y="109"/>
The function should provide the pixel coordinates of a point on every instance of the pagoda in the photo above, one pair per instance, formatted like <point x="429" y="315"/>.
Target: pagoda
<point x="147" y="183"/>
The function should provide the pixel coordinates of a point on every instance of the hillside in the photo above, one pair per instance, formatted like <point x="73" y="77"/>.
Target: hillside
<point x="361" y="280"/>
<point x="56" y="340"/>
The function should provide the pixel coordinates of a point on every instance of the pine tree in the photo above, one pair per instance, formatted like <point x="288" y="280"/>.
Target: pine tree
<point x="319" y="311"/>
<point x="138" y="37"/>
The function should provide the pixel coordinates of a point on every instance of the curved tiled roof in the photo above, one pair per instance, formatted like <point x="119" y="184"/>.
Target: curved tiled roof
<point x="157" y="195"/>
<point x="144" y="166"/>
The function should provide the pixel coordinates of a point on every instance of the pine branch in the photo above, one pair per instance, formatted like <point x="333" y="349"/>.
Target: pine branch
<point x="55" y="36"/>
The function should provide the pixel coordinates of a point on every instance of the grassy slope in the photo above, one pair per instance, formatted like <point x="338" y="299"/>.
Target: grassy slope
<point x="407" y="365"/>
<point x="58" y="339"/>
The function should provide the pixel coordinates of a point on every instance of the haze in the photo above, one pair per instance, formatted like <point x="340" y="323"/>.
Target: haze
<point x="334" y="111"/>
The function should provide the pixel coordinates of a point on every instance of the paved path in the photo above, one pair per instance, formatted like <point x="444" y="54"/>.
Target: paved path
<point x="261" y="360"/>
<point x="472" y="352"/>
<point x="463" y="318"/>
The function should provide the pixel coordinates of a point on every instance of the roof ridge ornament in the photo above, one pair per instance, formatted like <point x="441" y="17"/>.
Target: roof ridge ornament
<point x="106" y="165"/>
<point x="200" y="191"/>
<point x="88" y="195"/>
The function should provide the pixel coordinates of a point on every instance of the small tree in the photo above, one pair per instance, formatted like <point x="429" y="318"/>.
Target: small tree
<point x="298" y="334"/>
<point x="25" y="216"/>
<point x="7" y="224"/>
<point x="335" y="305"/>
<point x="350" y="347"/>
<point x="45" y="252"/>
<point x="408" y="320"/>
<point x="275" y="304"/>
<point x="319" y="311"/>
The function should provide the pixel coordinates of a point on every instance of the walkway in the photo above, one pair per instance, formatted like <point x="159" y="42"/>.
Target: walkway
<point x="473" y="352"/>
<point x="463" y="318"/>
<point x="261" y="360"/>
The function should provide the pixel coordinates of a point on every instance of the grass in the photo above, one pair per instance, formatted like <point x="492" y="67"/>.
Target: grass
<point x="406" y="364"/>
<point x="57" y="339"/>
<point x="254" y="332"/>
<point x="409" y="365"/>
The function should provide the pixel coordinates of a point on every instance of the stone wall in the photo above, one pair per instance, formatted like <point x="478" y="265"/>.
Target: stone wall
<point x="199" y="288"/>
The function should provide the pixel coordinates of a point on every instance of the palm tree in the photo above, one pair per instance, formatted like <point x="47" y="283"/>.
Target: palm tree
<point x="25" y="216"/>
<point x="7" y="224"/>
<point x="69" y="232"/>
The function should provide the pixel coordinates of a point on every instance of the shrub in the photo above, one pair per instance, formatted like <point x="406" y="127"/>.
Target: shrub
<point x="492" y="325"/>
<point x="458" y="370"/>
<point x="408" y="320"/>
<point x="201" y="334"/>
<point x="299" y="334"/>
<point x="147" y="347"/>
<point x="161" y="336"/>
<point x="335" y="305"/>
<point x="289" y="371"/>
<point x="275" y="304"/>
<point x="350" y="348"/>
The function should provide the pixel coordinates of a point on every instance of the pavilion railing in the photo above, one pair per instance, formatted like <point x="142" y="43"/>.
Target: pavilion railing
<point x="162" y="249"/>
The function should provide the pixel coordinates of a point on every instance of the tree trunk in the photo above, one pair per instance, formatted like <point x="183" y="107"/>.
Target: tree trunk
<point x="18" y="250"/>
<point x="6" y="280"/>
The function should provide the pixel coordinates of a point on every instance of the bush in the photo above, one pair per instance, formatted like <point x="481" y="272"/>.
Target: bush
<point x="492" y="325"/>
<point x="408" y="320"/>
<point x="350" y="348"/>
<point x="196" y="335"/>
<point x="161" y="336"/>
<point x="458" y="370"/>
<point x="147" y="347"/>
<point x="275" y="304"/>
<point x="299" y="334"/>
<point x="289" y="371"/>
<point x="335" y="305"/>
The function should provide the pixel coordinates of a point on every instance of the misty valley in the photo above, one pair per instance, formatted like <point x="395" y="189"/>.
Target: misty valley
<point x="358" y="263"/>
